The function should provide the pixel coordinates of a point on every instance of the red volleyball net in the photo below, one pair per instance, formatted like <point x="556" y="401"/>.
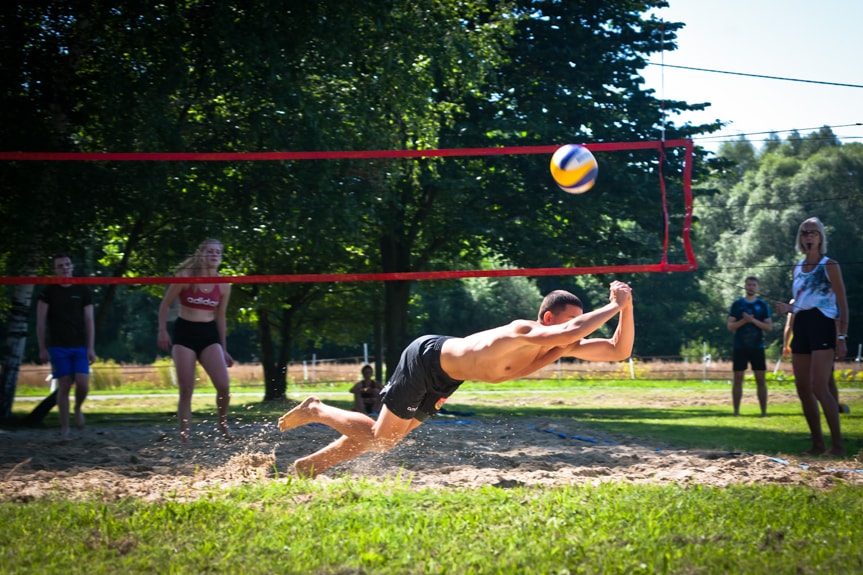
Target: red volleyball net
<point x="672" y="211"/>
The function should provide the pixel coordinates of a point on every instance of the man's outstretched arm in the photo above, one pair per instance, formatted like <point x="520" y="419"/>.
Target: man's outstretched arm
<point x="568" y="333"/>
<point x="616" y="348"/>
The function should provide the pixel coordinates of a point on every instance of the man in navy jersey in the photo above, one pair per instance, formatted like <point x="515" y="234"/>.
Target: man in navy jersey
<point x="749" y="318"/>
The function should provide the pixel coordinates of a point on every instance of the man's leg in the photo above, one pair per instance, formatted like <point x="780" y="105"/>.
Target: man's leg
<point x="737" y="391"/>
<point x="82" y="388"/>
<point x="761" y="382"/>
<point x="360" y="433"/>
<point x="64" y="384"/>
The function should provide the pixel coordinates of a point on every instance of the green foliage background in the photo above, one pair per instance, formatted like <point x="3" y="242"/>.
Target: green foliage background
<point x="289" y="76"/>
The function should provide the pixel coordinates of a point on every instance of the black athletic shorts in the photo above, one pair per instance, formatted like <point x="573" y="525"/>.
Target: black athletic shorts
<point x="196" y="335"/>
<point x="813" y="331"/>
<point x="744" y="356"/>
<point x="419" y="387"/>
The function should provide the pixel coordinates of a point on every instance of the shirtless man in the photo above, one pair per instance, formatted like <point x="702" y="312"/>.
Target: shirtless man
<point x="433" y="367"/>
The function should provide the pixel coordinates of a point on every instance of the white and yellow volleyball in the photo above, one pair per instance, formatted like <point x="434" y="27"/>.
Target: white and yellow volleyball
<point x="574" y="168"/>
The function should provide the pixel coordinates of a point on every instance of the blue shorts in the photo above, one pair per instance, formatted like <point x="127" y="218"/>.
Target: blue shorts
<point x="68" y="361"/>
<point x="419" y="386"/>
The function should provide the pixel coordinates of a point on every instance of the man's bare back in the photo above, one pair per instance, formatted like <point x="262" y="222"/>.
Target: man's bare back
<point x="495" y="355"/>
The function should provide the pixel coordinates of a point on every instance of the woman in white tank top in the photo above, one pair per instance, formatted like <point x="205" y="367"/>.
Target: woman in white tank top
<point x="820" y="309"/>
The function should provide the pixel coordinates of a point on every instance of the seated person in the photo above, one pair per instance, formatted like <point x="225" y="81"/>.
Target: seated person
<point x="367" y="392"/>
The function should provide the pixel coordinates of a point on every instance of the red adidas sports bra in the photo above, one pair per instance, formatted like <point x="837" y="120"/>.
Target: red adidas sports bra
<point x="194" y="298"/>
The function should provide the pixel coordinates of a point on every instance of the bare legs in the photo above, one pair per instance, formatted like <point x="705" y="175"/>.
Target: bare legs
<point x="812" y="373"/>
<point x="64" y="386"/>
<point x="212" y="359"/>
<point x="761" y="383"/>
<point x="184" y="363"/>
<point x="360" y="433"/>
<point x="737" y="391"/>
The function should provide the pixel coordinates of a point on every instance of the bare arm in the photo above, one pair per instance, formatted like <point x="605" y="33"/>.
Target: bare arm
<point x="576" y="329"/>
<point x="765" y="324"/>
<point x="616" y="348"/>
<point x="221" y="322"/>
<point x="171" y="295"/>
<point x="835" y="275"/>
<point x="90" y="329"/>
<point x="787" y="331"/>
<point x="734" y="324"/>
<point x="782" y="307"/>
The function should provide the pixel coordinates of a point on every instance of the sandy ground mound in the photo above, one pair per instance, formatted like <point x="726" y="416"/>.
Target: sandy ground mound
<point x="148" y="463"/>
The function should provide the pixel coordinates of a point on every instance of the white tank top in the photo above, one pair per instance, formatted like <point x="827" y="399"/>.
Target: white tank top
<point x="813" y="290"/>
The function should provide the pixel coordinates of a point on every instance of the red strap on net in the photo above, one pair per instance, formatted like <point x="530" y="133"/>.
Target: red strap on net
<point x="662" y="266"/>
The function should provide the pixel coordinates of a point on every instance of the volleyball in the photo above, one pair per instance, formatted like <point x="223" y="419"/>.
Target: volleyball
<point x="574" y="168"/>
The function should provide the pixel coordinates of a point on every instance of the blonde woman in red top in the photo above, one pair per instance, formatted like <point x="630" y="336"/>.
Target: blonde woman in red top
<point x="199" y="332"/>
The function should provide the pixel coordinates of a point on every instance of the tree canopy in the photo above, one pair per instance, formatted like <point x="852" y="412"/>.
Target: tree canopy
<point x="289" y="76"/>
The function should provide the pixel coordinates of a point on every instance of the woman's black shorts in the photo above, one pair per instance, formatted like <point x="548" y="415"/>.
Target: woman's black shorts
<point x="813" y="331"/>
<point x="196" y="335"/>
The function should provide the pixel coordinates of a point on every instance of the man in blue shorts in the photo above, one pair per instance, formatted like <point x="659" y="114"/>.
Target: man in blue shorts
<point x="749" y="318"/>
<point x="64" y="330"/>
<point x="433" y="367"/>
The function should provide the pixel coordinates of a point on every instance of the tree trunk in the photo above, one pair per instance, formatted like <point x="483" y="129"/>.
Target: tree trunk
<point x="13" y="351"/>
<point x="395" y="257"/>
<point x="396" y="299"/>
<point x="268" y="356"/>
<point x="379" y="344"/>
<point x="284" y="352"/>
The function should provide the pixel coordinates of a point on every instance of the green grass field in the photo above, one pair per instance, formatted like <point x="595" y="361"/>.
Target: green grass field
<point x="350" y="524"/>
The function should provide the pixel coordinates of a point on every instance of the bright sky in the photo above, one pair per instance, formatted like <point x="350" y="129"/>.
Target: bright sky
<point x="802" y="39"/>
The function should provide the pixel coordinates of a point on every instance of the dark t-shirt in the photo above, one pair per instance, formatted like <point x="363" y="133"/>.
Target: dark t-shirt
<point x="65" y="319"/>
<point x="749" y="336"/>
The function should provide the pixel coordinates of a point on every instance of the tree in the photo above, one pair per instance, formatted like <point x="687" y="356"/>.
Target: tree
<point x="569" y="73"/>
<point x="229" y="76"/>
<point x="751" y="226"/>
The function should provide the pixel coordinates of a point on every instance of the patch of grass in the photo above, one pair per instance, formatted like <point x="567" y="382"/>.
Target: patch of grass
<point x="366" y="527"/>
<point x="288" y="525"/>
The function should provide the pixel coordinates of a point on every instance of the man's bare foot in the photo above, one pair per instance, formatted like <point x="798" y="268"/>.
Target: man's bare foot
<point x="813" y="451"/>
<point x="835" y="452"/>
<point x="305" y="468"/>
<point x="300" y="415"/>
<point x="79" y="419"/>
<point x="226" y="432"/>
